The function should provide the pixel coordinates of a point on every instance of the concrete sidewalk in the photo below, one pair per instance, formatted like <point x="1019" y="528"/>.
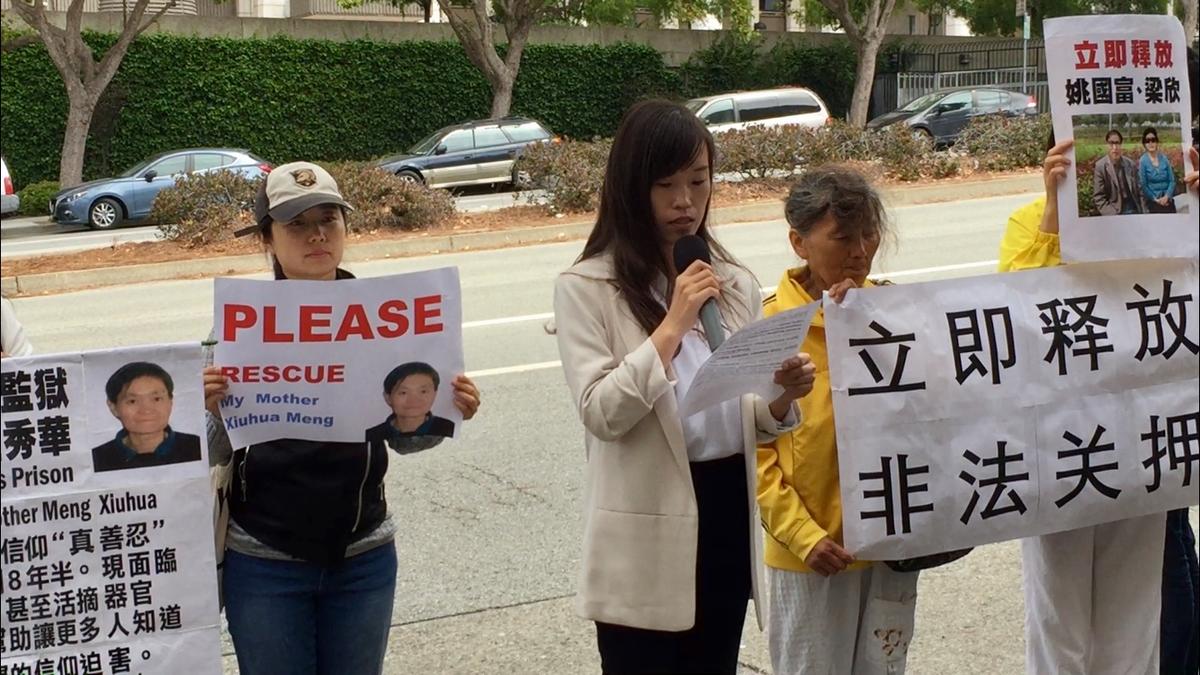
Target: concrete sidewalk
<point x="969" y="620"/>
<point x="15" y="223"/>
<point x="426" y="243"/>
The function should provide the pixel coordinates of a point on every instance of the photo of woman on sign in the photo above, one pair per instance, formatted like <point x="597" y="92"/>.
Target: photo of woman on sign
<point x="141" y="396"/>
<point x="410" y="390"/>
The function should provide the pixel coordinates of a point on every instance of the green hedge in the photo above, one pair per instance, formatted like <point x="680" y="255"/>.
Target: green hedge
<point x="286" y="99"/>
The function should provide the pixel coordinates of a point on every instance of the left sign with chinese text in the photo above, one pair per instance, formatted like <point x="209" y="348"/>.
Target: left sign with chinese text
<point x="107" y="552"/>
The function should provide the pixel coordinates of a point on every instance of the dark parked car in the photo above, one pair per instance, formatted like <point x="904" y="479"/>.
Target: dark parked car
<point x="941" y="116"/>
<point x="474" y="153"/>
<point x="105" y="203"/>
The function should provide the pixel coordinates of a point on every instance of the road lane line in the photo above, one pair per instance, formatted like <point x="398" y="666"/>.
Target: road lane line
<point x="546" y="316"/>
<point x="508" y="319"/>
<point x="508" y="370"/>
<point x="941" y="268"/>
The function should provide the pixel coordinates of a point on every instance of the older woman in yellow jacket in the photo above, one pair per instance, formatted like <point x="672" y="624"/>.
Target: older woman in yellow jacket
<point x="828" y="611"/>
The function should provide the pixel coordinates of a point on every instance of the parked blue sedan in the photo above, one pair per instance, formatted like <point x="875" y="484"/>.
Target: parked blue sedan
<point x="106" y="203"/>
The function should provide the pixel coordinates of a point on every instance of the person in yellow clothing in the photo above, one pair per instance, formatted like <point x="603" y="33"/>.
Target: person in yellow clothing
<point x="1092" y="595"/>
<point x="827" y="609"/>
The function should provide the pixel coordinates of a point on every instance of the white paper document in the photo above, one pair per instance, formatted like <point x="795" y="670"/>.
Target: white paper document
<point x="747" y="361"/>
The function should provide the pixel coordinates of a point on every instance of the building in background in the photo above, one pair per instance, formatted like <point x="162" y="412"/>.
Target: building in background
<point x="767" y="15"/>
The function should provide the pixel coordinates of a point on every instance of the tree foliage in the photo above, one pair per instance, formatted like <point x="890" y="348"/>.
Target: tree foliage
<point x="997" y="18"/>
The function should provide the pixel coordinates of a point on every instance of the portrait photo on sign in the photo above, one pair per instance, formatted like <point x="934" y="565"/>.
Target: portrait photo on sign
<point x="411" y="391"/>
<point x="134" y="410"/>
<point x="1129" y="164"/>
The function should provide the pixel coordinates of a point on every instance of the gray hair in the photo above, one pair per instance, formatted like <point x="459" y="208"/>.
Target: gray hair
<point x="841" y="191"/>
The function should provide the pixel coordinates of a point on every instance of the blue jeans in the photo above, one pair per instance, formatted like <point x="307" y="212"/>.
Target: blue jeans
<point x="1180" y="598"/>
<point x="297" y="618"/>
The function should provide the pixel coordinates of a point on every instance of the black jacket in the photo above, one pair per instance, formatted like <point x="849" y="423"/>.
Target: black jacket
<point x="113" y="456"/>
<point x="434" y="426"/>
<point x="309" y="499"/>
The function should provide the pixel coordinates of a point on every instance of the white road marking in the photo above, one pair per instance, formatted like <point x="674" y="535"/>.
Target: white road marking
<point x="508" y="370"/>
<point x="546" y="316"/>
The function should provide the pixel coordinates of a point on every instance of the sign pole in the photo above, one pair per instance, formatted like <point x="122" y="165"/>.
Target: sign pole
<point x="1023" y="11"/>
<point x="1025" y="58"/>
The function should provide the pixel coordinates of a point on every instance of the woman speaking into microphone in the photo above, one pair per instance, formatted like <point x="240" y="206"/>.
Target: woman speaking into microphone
<point x="672" y="543"/>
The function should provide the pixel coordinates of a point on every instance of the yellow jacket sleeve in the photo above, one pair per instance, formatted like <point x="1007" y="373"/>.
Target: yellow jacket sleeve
<point x="784" y="515"/>
<point x="1024" y="245"/>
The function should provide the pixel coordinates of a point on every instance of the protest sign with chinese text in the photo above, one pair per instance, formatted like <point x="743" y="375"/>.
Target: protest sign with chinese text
<point x="106" y="557"/>
<point x="1119" y="88"/>
<point x="991" y="408"/>
<point x="312" y="359"/>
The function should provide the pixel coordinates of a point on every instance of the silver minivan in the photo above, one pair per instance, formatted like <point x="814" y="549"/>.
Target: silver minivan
<point x="766" y="107"/>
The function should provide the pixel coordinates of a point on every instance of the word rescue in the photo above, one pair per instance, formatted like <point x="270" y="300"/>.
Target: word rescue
<point x="315" y="323"/>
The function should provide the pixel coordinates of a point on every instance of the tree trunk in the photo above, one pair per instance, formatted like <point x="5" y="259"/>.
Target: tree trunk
<point x="1190" y="10"/>
<point x="79" y="120"/>
<point x="83" y="76"/>
<point x="476" y="32"/>
<point x="868" y="50"/>
<point x="502" y="92"/>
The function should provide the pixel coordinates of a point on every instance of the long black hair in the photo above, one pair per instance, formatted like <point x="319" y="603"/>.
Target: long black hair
<point x="656" y="139"/>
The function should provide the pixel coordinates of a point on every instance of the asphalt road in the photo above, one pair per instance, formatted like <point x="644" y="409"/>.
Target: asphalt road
<point x="490" y="523"/>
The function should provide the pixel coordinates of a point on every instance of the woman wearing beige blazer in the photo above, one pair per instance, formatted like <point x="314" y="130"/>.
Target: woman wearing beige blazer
<point x="672" y="542"/>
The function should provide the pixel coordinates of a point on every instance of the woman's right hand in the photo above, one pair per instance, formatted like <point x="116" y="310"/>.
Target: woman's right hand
<point x="1054" y="169"/>
<point x="693" y="288"/>
<point x="827" y="558"/>
<point x="216" y="386"/>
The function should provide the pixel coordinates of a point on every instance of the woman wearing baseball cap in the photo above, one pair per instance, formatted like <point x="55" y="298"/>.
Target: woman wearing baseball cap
<point x="310" y="561"/>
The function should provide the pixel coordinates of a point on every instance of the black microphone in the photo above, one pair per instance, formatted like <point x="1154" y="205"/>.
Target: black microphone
<point x="688" y="249"/>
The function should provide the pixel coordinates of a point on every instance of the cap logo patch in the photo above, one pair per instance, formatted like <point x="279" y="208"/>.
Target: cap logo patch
<point x="304" y="177"/>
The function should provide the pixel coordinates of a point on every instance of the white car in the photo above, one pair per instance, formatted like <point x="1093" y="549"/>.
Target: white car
<point x="10" y="202"/>
<point x="766" y="107"/>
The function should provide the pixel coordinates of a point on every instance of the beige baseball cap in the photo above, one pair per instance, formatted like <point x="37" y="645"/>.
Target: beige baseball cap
<point x="292" y="189"/>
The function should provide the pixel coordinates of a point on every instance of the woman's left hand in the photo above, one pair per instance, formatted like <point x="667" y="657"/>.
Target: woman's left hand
<point x="837" y="292"/>
<point x="466" y="396"/>
<point x="796" y="375"/>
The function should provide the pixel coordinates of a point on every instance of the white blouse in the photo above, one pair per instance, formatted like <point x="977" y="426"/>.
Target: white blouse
<point x="715" y="432"/>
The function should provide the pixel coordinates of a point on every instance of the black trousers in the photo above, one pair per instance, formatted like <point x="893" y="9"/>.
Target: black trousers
<point x="722" y="589"/>
<point x="1155" y="207"/>
<point x="1180" y="646"/>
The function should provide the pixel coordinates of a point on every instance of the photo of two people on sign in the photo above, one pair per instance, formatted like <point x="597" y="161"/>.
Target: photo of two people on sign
<point x="1129" y="164"/>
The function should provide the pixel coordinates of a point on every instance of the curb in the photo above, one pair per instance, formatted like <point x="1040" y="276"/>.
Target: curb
<point x="51" y="282"/>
